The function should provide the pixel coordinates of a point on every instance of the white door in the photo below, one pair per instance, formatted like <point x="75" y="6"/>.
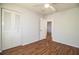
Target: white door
<point x="43" y="28"/>
<point x="10" y="29"/>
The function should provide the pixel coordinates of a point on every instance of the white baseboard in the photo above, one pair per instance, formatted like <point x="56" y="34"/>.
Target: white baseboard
<point x="23" y="44"/>
<point x="29" y="42"/>
<point x="73" y="45"/>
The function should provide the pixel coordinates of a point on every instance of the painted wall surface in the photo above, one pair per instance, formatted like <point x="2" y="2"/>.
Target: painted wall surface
<point x="66" y="27"/>
<point x="43" y="28"/>
<point x="31" y="27"/>
<point x="30" y="24"/>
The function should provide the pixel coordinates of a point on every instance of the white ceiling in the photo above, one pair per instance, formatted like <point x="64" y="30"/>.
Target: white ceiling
<point x="39" y="7"/>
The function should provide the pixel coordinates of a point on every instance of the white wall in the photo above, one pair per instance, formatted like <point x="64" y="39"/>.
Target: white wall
<point x="43" y="28"/>
<point x="30" y="22"/>
<point x="66" y="27"/>
<point x="31" y="27"/>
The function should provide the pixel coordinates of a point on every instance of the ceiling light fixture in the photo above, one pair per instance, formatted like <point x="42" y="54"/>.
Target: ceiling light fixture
<point x="49" y="6"/>
<point x="46" y="5"/>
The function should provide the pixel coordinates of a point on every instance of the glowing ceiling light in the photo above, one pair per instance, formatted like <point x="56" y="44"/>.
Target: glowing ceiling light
<point x="49" y="6"/>
<point x="46" y="5"/>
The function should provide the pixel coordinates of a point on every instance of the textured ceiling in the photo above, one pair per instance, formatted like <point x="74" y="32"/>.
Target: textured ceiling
<point x="39" y="7"/>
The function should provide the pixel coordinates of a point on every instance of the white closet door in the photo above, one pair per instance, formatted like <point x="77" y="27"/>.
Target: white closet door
<point x="17" y="30"/>
<point x="10" y="29"/>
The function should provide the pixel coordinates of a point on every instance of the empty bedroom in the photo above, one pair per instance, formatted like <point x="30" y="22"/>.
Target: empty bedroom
<point x="39" y="28"/>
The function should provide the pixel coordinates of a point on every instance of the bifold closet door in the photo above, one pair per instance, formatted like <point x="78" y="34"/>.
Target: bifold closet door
<point x="10" y="29"/>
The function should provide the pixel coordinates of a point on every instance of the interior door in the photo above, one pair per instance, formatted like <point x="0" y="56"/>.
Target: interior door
<point x="43" y="28"/>
<point x="10" y="29"/>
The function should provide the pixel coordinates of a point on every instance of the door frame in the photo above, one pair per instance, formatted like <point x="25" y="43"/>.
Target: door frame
<point x="51" y="26"/>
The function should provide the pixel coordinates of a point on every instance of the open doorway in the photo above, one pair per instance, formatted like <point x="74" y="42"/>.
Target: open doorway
<point x="49" y="25"/>
<point x="49" y="30"/>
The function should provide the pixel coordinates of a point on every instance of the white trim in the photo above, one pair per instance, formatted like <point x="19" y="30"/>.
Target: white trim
<point x="76" y="46"/>
<point x="24" y="44"/>
<point x="30" y="42"/>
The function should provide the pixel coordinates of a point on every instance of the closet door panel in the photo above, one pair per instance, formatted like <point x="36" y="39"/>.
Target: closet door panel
<point x="17" y="30"/>
<point x="6" y="30"/>
<point x="10" y="34"/>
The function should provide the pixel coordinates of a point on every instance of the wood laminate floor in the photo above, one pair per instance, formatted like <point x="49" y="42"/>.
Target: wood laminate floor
<point x="43" y="47"/>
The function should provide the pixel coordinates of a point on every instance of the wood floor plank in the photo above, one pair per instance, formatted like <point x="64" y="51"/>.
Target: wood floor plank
<point x="43" y="47"/>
